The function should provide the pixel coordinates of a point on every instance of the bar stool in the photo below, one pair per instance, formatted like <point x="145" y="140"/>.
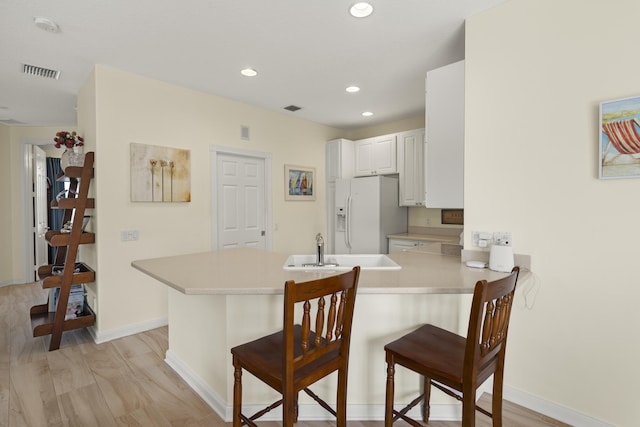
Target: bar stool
<point x="291" y="360"/>
<point x="450" y="362"/>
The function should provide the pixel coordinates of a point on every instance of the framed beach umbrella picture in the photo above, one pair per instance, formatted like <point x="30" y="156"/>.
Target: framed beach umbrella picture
<point x="620" y="139"/>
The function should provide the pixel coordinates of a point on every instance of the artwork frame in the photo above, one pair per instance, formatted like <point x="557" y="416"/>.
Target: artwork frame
<point x="160" y="174"/>
<point x="619" y="140"/>
<point x="299" y="183"/>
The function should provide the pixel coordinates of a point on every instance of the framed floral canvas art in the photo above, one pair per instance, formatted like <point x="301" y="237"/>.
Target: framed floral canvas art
<point x="160" y="174"/>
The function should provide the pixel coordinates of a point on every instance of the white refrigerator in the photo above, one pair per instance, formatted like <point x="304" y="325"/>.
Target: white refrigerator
<point x="366" y="212"/>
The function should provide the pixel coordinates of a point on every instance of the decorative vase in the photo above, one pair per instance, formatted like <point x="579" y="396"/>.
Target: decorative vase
<point x="64" y="159"/>
<point x="76" y="157"/>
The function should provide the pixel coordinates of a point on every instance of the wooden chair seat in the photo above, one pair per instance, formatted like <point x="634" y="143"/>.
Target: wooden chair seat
<point x="443" y="362"/>
<point x="263" y="358"/>
<point x="454" y="364"/>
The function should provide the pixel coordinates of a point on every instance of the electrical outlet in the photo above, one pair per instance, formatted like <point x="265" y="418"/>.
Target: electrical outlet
<point x="502" y="238"/>
<point x="481" y="239"/>
<point x="129" y="235"/>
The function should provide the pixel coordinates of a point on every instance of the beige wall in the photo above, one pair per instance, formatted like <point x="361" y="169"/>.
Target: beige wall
<point x="6" y="221"/>
<point x="416" y="122"/>
<point x="130" y="108"/>
<point x="536" y="71"/>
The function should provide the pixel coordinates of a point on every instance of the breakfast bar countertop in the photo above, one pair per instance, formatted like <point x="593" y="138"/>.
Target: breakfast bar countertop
<point x="239" y="271"/>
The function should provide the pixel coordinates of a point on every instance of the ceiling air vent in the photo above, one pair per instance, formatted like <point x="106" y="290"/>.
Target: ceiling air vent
<point x="292" y="108"/>
<point x="32" y="70"/>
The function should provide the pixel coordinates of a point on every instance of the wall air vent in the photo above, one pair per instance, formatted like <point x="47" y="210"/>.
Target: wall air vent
<point x="292" y="108"/>
<point x="32" y="70"/>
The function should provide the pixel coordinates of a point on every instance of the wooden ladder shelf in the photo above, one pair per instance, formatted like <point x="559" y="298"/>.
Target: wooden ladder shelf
<point x="53" y="323"/>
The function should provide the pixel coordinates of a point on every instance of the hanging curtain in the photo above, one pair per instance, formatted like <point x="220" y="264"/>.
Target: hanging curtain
<point x="55" y="215"/>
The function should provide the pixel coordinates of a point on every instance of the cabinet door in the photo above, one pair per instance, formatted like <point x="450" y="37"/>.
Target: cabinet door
<point x="384" y="155"/>
<point x="376" y="156"/>
<point x="339" y="159"/>
<point x="364" y="157"/>
<point x="399" y="245"/>
<point x="411" y="167"/>
<point x="445" y="137"/>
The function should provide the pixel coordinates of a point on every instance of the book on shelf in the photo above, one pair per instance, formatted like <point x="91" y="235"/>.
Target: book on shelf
<point x="75" y="303"/>
<point x="58" y="270"/>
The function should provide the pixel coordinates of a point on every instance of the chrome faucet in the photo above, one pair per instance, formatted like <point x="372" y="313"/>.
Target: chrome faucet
<point x="319" y="250"/>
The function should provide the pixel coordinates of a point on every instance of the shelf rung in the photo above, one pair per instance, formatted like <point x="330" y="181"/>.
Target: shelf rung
<point x="70" y="203"/>
<point x="42" y="321"/>
<point x="56" y="238"/>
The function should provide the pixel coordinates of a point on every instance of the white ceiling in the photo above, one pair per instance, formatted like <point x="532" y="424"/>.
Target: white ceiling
<point x="306" y="52"/>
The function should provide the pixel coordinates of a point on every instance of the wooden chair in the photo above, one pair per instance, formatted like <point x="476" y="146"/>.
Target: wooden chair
<point x="446" y="359"/>
<point x="296" y="357"/>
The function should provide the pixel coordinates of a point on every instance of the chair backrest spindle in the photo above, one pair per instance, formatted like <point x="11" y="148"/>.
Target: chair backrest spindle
<point x="319" y="321"/>
<point x="315" y="343"/>
<point x="489" y="321"/>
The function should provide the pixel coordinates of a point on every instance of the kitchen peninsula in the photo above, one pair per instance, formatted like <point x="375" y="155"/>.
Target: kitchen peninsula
<point x="220" y="299"/>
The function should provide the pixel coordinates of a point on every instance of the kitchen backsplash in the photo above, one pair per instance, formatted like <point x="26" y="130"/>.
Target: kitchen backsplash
<point x="431" y="218"/>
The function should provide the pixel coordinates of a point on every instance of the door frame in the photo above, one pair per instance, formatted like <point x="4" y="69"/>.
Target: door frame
<point x="216" y="150"/>
<point x="27" y="193"/>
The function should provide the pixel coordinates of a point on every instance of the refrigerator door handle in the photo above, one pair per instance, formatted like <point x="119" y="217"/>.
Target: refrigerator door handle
<point x="347" y="232"/>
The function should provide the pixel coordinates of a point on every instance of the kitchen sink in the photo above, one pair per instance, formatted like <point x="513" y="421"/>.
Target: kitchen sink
<point x="341" y="262"/>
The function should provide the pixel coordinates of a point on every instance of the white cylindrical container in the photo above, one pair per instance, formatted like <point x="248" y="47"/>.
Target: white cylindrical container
<point x="501" y="258"/>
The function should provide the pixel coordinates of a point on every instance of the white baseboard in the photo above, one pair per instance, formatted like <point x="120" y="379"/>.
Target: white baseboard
<point x="307" y="412"/>
<point x="551" y="409"/>
<point x="441" y="412"/>
<point x="103" y="336"/>
<point x="197" y="384"/>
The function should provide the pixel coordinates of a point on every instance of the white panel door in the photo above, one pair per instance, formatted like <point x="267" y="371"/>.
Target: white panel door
<point x="40" y="207"/>
<point x="240" y="202"/>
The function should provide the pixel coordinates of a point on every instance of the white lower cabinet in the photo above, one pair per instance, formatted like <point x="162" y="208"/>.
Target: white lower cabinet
<point x="399" y="245"/>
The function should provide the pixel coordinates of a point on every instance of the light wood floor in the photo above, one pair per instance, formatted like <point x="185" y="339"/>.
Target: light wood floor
<point x="124" y="382"/>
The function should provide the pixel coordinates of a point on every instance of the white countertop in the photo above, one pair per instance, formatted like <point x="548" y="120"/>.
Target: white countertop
<point x="251" y="271"/>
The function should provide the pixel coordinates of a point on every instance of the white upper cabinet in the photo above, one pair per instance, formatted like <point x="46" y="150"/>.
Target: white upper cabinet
<point x="340" y="161"/>
<point x="444" y="153"/>
<point x="375" y="156"/>
<point x="411" y="167"/>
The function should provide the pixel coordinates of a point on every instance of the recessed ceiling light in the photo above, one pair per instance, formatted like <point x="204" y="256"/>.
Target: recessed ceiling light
<point x="249" y="72"/>
<point x="46" y="24"/>
<point x="361" y="10"/>
<point x="367" y="114"/>
<point x="352" y="89"/>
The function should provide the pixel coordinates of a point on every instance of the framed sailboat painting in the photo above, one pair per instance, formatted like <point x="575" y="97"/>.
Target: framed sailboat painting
<point x="620" y="139"/>
<point x="299" y="183"/>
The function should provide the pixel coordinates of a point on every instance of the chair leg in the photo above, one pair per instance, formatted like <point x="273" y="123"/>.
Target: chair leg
<point x="289" y="410"/>
<point x="388" y="406"/>
<point x="496" y="399"/>
<point x="426" y="407"/>
<point x="237" y="394"/>
<point x="341" y="399"/>
<point x="469" y="407"/>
